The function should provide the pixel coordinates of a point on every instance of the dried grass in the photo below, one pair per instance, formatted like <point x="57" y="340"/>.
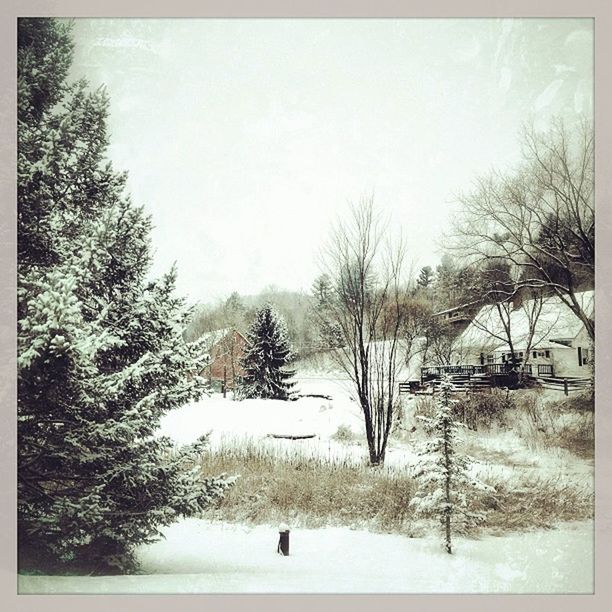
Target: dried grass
<point x="567" y="424"/>
<point x="310" y="491"/>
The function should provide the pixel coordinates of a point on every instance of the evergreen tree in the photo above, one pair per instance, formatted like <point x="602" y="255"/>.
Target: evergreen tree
<point x="425" y="277"/>
<point x="454" y="284"/>
<point x="100" y="351"/>
<point x="233" y="310"/>
<point x="266" y="357"/>
<point x="329" y="332"/>
<point x="446" y="489"/>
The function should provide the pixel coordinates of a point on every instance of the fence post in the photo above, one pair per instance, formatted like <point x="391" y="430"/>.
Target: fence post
<point x="283" y="541"/>
<point x="565" y="389"/>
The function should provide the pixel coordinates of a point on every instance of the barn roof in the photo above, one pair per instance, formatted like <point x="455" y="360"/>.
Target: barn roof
<point x="212" y="337"/>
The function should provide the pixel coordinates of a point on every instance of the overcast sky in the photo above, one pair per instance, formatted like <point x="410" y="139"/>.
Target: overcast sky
<point x="245" y="139"/>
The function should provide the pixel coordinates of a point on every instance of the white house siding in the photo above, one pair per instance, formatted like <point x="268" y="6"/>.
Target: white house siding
<point x="556" y="322"/>
<point x="565" y="362"/>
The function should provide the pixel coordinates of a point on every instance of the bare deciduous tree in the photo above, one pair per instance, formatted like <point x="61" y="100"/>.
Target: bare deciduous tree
<point x="440" y="343"/>
<point x="498" y="323"/>
<point x="540" y="219"/>
<point x="416" y="316"/>
<point x="367" y="308"/>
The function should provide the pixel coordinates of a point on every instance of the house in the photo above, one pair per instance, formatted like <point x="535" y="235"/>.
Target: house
<point x="458" y="317"/>
<point x="225" y="349"/>
<point x="556" y="340"/>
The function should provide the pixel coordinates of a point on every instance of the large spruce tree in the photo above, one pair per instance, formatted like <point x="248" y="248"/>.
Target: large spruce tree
<point x="266" y="357"/>
<point x="100" y="350"/>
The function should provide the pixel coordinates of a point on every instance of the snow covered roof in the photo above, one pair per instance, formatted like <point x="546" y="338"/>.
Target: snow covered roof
<point x="556" y="324"/>
<point x="213" y="337"/>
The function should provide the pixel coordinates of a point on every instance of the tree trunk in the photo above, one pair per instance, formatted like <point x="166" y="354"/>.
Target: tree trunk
<point x="447" y="513"/>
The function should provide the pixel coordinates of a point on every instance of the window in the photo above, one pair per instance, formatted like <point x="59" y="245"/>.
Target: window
<point x="547" y="353"/>
<point x="490" y="359"/>
<point x="535" y="354"/>
<point x="585" y="356"/>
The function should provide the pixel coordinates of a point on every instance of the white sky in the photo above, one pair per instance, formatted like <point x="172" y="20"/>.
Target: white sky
<point x="245" y="139"/>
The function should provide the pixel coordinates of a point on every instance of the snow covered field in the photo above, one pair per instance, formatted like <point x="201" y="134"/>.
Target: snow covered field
<point x="261" y="417"/>
<point x="199" y="556"/>
<point x="239" y="422"/>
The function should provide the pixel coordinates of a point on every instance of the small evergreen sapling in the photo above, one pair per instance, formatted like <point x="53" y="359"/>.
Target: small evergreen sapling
<point x="446" y="490"/>
<point x="267" y="354"/>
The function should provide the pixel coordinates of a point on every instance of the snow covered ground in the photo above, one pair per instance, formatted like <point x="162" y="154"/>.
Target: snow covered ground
<point x="199" y="556"/>
<point x="261" y="417"/>
<point x="234" y="423"/>
<point x="238" y="422"/>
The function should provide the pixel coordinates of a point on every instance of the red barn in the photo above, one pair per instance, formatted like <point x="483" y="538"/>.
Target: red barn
<point x="225" y="349"/>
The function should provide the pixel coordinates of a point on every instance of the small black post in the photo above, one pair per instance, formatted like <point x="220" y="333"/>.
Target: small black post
<point x="283" y="541"/>
<point x="565" y="389"/>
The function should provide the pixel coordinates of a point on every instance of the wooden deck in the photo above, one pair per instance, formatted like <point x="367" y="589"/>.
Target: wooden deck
<point x="489" y="369"/>
<point x="475" y="376"/>
<point x="468" y="378"/>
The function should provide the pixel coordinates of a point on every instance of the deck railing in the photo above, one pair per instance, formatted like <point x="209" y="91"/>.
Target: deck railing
<point x="436" y="371"/>
<point x="472" y="377"/>
<point x="491" y="369"/>
<point x="545" y="370"/>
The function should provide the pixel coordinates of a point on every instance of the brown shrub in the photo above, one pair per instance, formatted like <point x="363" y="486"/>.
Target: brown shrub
<point x="567" y="424"/>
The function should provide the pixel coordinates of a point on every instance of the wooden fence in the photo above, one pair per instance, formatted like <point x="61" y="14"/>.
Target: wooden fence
<point x="410" y="386"/>
<point x="567" y="385"/>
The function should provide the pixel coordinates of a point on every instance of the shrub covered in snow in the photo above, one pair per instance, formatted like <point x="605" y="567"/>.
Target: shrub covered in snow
<point x="100" y="350"/>
<point x="343" y="434"/>
<point x="444" y="482"/>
